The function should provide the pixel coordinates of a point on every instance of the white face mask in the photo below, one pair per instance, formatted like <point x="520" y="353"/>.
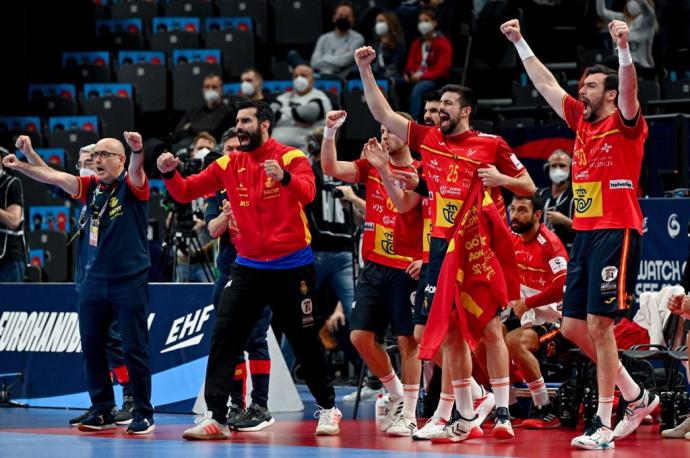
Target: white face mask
<point x="84" y="172"/>
<point x="201" y="153"/>
<point x="381" y="28"/>
<point x="633" y="8"/>
<point x="558" y="176"/>
<point x="211" y="96"/>
<point x="247" y="88"/>
<point x="300" y="84"/>
<point x="425" y="27"/>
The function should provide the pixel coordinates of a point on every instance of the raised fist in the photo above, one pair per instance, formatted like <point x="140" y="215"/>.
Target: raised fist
<point x="11" y="162"/>
<point x="166" y="162"/>
<point x="619" y="33"/>
<point x="335" y="118"/>
<point x="511" y="30"/>
<point x="364" y="56"/>
<point x="134" y="140"/>
<point x="23" y="144"/>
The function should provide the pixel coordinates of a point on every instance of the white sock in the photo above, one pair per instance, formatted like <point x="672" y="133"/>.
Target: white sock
<point x="445" y="406"/>
<point x="604" y="410"/>
<point x="393" y="385"/>
<point x="501" y="389"/>
<point x="410" y="396"/>
<point x="463" y="398"/>
<point x="538" y="390"/>
<point x="477" y="389"/>
<point x="629" y="389"/>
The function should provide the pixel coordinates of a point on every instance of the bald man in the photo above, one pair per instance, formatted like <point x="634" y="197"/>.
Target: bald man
<point x="113" y="251"/>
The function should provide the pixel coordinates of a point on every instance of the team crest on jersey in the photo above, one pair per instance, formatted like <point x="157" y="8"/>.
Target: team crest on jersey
<point x="269" y="182"/>
<point x="587" y="199"/>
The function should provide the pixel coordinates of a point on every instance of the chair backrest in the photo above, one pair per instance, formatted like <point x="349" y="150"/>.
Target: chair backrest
<point x="54" y="245"/>
<point x="297" y="22"/>
<point x="114" y="106"/>
<point x="256" y="9"/>
<point x="147" y="72"/>
<point x="677" y="89"/>
<point x="182" y="8"/>
<point x="134" y="9"/>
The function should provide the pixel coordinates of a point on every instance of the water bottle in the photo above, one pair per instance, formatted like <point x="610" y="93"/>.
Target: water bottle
<point x="667" y="414"/>
<point x="380" y="410"/>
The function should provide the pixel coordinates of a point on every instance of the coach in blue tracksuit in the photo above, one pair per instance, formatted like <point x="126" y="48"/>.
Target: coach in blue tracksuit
<point x="113" y="249"/>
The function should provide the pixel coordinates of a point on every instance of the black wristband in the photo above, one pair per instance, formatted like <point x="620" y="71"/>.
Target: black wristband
<point x="422" y="188"/>
<point x="286" y="178"/>
<point x="168" y="175"/>
<point x="137" y="152"/>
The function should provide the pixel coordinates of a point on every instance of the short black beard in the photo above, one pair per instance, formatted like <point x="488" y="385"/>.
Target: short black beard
<point x="254" y="141"/>
<point x="520" y="228"/>
<point x="451" y="127"/>
<point x="429" y="122"/>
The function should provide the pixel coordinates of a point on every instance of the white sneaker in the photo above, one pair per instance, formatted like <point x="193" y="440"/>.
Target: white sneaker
<point x="367" y="394"/>
<point x="403" y="426"/>
<point x="679" y="432"/>
<point x="635" y="413"/>
<point x="207" y="428"/>
<point x="503" y="429"/>
<point x="432" y="427"/>
<point x="483" y="406"/>
<point x="329" y="422"/>
<point x="596" y="437"/>
<point x="458" y="431"/>
<point x="395" y="410"/>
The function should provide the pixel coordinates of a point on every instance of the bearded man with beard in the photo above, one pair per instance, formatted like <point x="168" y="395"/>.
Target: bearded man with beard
<point x="607" y="159"/>
<point x="268" y="184"/>
<point x="542" y="262"/>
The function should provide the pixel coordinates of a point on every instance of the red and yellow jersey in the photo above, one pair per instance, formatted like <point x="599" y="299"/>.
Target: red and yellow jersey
<point x="606" y="169"/>
<point x="385" y="242"/>
<point x="450" y="162"/>
<point x="541" y="261"/>
<point x="270" y="216"/>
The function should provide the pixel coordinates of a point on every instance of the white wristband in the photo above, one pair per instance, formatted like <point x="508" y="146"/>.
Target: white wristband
<point x="624" y="57"/>
<point x="329" y="132"/>
<point x="523" y="49"/>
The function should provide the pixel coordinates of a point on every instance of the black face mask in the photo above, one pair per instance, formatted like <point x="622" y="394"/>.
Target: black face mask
<point x="342" y="24"/>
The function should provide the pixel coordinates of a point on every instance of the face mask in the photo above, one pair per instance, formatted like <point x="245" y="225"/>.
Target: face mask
<point x="211" y="96"/>
<point x="381" y="28"/>
<point x="84" y="172"/>
<point x="300" y="84"/>
<point x="633" y="8"/>
<point x="247" y="88"/>
<point x="425" y="27"/>
<point x="342" y="24"/>
<point x="558" y="176"/>
<point x="201" y="153"/>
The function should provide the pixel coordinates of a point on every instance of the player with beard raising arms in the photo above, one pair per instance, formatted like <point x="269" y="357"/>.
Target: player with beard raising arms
<point x="451" y="155"/>
<point x="268" y="184"/>
<point x="607" y="159"/>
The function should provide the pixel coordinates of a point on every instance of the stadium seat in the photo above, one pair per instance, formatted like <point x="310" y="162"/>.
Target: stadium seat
<point x="86" y="67"/>
<point x="256" y="9"/>
<point x="54" y="245"/>
<point x="113" y="104"/>
<point x="182" y="8"/>
<point x="71" y="133"/>
<point x="115" y="34"/>
<point x="189" y="70"/>
<point x="299" y="22"/>
<point x="13" y="126"/>
<point x="145" y="71"/>
<point x="143" y="9"/>
<point x="169" y="34"/>
<point x="235" y="38"/>
<point x="360" y="125"/>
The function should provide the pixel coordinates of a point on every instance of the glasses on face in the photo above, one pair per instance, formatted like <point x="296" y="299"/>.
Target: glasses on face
<point x="103" y="154"/>
<point x="87" y="164"/>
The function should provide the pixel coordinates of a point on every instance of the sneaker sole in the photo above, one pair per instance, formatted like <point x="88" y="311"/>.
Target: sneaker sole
<point x="123" y="422"/>
<point x="259" y="427"/>
<point x="91" y="429"/>
<point x="646" y="412"/>
<point x="407" y="433"/>
<point x="327" y="433"/>
<point x="475" y="433"/>
<point x="204" y="437"/>
<point x="502" y="433"/>
<point x="146" y="431"/>
<point x="609" y="446"/>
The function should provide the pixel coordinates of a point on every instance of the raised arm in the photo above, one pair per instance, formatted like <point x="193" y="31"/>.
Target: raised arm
<point x="23" y="144"/>
<point x="541" y="77"/>
<point x="378" y="105"/>
<point x="331" y="166"/>
<point x="377" y="156"/>
<point x="68" y="183"/>
<point x="627" y="76"/>
<point x="185" y="190"/>
<point x="136" y="159"/>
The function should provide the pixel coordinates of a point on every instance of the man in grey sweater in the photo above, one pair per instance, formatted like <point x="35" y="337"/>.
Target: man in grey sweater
<point x="334" y="51"/>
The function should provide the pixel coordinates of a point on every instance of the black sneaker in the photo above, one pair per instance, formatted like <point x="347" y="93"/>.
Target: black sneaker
<point x="76" y="420"/>
<point x="124" y="415"/>
<point x="98" y="422"/>
<point x="542" y="417"/>
<point x="255" y="418"/>
<point x="141" y="425"/>
<point x="235" y="413"/>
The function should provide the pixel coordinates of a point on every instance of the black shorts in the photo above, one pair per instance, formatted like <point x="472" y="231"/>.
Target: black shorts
<point x="383" y="295"/>
<point x="551" y="341"/>
<point x="421" y="308"/>
<point x="437" y="253"/>
<point x="602" y="272"/>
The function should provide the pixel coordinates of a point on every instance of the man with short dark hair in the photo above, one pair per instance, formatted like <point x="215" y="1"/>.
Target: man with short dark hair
<point x="268" y="185"/>
<point x="333" y="51"/>
<point x="432" y="101"/>
<point x="607" y="159"/>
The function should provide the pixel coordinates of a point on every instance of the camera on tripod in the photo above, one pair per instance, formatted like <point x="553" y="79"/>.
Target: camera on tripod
<point x="188" y="165"/>
<point x="332" y="187"/>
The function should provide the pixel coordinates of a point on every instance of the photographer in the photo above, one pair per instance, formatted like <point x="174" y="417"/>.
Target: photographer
<point x="12" y="245"/>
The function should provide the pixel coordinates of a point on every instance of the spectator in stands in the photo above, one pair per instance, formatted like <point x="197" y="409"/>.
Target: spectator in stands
<point x="12" y="244"/>
<point x="429" y="61"/>
<point x="300" y="110"/>
<point x="390" y="47"/>
<point x="334" y="51"/>
<point x="641" y="20"/>
<point x="213" y="117"/>
<point x="252" y="85"/>
<point x="543" y="261"/>
<point x="114" y="252"/>
<point x="84" y="165"/>
<point x="558" y="198"/>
